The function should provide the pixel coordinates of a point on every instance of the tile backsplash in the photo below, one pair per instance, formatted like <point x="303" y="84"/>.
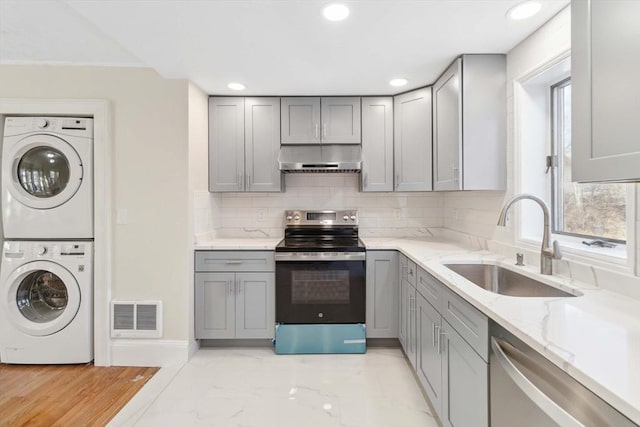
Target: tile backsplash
<point x="261" y="214"/>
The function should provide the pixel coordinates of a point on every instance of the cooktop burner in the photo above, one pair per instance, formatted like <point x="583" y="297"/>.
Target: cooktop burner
<point x="315" y="231"/>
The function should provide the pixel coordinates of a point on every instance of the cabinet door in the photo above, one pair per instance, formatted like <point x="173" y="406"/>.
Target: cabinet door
<point x="300" y="120"/>
<point x="605" y="57"/>
<point x="214" y="305"/>
<point x="255" y="305"/>
<point x="382" y="294"/>
<point x="340" y="120"/>
<point x="412" y="140"/>
<point x="429" y="360"/>
<point x="226" y="144"/>
<point x="262" y="144"/>
<point x="447" y="129"/>
<point x="377" y="144"/>
<point x="464" y="383"/>
<point x="403" y="297"/>
<point x="412" y="333"/>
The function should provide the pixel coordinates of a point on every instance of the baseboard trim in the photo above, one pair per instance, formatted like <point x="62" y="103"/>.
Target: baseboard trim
<point x="144" y="352"/>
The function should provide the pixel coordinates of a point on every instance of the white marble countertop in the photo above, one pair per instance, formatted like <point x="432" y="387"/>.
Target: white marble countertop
<point x="594" y="337"/>
<point x="266" y="243"/>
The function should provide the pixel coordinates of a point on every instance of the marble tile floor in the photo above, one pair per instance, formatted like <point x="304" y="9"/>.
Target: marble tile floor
<point x="254" y="387"/>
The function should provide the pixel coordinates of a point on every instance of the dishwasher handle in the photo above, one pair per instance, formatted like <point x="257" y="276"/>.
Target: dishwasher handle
<point x="544" y="402"/>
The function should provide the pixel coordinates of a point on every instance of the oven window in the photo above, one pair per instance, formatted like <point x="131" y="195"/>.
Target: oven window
<point x="320" y="287"/>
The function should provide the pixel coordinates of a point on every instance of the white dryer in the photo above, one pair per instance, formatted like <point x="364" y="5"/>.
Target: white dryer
<point x="46" y="302"/>
<point x="47" y="178"/>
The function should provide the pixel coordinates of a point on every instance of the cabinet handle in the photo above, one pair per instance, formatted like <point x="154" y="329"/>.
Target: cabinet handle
<point x="232" y="262"/>
<point x="230" y="285"/>
<point x="248" y="182"/>
<point x="440" y="335"/>
<point x="317" y="130"/>
<point x="411" y="272"/>
<point x="397" y="181"/>
<point x="324" y="130"/>
<point x="433" y="335"/>
<point x="238" y="286"/>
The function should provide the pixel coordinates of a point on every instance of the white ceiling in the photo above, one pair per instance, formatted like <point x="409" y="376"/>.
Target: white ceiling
<point x="274" y="47"/>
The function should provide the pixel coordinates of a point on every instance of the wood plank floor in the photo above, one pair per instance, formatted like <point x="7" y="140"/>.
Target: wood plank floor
<point x="66" y="395"/>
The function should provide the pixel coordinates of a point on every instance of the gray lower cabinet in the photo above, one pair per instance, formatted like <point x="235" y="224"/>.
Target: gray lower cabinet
<point x="382" y="294"/>
<point x="407" y="330"/>
<point x="377" y="144"/>
<point x="234" y="302"/>
<point x="605" y="58"/>
<point x="413" y="140"/>
<point x="469" y="124"/>
<point x="244" y="141"/>
<point x="452" y="370"/>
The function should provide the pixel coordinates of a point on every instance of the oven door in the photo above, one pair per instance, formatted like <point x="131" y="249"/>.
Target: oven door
<point x="327" y="291"/>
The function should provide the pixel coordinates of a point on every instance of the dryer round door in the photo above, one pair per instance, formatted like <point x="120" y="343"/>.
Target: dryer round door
<point x="45" y="171"/>
<point x="42" y="298"/>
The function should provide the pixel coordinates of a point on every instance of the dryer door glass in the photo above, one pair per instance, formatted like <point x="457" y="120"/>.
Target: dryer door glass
<point x="42" y="296"/>
<point x="43" y="172"/>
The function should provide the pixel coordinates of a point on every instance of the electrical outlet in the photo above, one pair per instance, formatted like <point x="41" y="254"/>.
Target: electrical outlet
<point x="262" y="213"/>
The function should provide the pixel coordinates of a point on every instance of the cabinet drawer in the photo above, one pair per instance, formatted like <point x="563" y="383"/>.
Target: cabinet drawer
<point x="470" y="323"/>
<point x="235" y="261"/>
<point x="430" y="288"/>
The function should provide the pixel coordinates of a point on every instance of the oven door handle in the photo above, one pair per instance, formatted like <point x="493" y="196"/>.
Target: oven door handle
<point x="320" y="256"/>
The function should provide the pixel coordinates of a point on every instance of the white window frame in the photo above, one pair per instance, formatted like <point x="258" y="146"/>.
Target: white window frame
<point x="528" y="217"/>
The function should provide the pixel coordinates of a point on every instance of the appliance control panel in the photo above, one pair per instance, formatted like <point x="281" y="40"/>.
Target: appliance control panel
<point x="343" y="217"/>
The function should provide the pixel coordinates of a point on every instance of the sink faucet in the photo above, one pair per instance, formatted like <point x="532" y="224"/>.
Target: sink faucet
<point x="547" y="254"/>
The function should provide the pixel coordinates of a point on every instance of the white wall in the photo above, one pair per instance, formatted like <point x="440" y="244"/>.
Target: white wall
<point x="261" y="215"/>
<point x="476" y="213"/>
<point x="150" y="178"/>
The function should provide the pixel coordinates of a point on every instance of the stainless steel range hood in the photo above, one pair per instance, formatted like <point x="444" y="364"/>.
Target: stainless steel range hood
<point x="320" y="158"/>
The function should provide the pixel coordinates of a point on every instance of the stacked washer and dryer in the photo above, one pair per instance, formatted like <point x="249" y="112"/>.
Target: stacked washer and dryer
<point x="46" y="272"/>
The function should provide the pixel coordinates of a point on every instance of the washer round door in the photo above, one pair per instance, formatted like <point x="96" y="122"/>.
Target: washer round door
<point x="45" y="171"/>
<point x="43" y="298"/>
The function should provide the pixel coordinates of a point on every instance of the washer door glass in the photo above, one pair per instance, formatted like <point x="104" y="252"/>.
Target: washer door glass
<point x="42" y="296"/>
<point x="43" y="172"/>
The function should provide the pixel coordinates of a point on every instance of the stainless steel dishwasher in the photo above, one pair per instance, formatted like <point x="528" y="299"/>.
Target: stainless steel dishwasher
<point x="527" y="390"/>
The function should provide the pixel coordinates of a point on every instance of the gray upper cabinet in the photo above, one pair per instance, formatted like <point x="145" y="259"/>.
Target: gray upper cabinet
<point x="262" y="144"/>
<point x="226" y="144"/>
<point x="377" y="144"/>
<point x="412" y="140"/>
<point x="340" y="120"/>
<point x="313" y="120"/>
<point x="605" y="57"/>
<point x="382" y="294"/>
<point x="244" y="140"/>
<point x="300" y="120"/>
<point x="469" y="131"/>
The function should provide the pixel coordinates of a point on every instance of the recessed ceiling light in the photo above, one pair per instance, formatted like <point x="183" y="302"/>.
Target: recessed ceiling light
<point x="335" y="12"/>
<point x="236" y="86"/>
<point x="524" y="10"/>
<point x="398" y="82"/>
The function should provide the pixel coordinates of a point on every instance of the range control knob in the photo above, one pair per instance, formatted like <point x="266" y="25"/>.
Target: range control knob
<point x="289" y="217"/>
<point x="42" y="123"/>
<point x="353" y="217"/>
<point x="296" y="218"/>
<point x="346" y="217"/>
<point x="41" y="250"/>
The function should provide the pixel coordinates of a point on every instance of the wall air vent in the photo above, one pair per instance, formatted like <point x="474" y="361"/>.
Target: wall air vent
<point x="136" y="319"/>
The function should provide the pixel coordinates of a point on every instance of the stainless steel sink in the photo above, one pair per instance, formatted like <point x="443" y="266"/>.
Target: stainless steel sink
<point x="505" y="282"/>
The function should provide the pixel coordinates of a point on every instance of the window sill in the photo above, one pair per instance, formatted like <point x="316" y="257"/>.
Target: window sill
<point x="615" y="259"/>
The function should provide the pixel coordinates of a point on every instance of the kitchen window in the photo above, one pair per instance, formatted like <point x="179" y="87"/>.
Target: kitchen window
<point x="592" y="211"/>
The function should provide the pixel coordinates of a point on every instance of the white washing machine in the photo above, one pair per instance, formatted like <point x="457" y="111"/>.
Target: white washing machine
<point x="46" y="302"/>
<point x="47" y="178"/>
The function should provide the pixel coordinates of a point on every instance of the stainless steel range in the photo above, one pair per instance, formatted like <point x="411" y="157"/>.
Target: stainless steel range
<point x="320" y="284"/>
